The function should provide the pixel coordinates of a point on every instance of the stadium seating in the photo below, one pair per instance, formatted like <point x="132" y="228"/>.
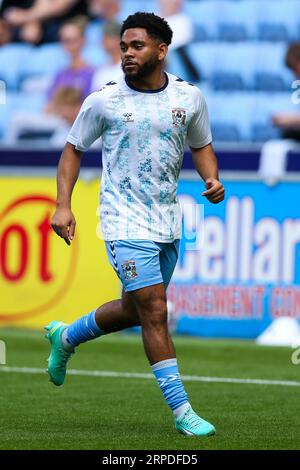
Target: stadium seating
<point x="12" y="59"/>
<point x="19" y="102"/>
<point x="239" y="51"/>
<point x="246" y="115"/>
<point x="47" y="59"/>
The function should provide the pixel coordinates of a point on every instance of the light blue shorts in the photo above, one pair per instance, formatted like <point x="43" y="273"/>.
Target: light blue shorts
<point x="142" y="263"/>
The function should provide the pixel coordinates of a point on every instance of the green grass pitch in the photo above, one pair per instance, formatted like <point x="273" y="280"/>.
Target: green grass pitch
<point x="130" y="413"/>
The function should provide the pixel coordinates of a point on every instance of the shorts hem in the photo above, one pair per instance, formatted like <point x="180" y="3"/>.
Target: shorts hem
<point x="141" y="285"/>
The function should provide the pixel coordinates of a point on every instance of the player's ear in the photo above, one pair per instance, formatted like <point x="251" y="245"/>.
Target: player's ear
<point x="162" y="51"/>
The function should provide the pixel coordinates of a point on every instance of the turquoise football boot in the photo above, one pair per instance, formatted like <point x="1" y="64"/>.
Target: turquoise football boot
<point x="57" y="361"/>
<point x="192" y="425"/>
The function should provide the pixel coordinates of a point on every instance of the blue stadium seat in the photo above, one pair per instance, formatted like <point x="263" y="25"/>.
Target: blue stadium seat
<point x="264" y="132"/>
<point x="200" y="33"/>
<point x="132" y="6"/>
<point x="270" y="67"/>
<point x="266" y="105"/>
<point x="95" y="55"/>
<point x="205" y="15"/>
<point x="223" y="132"/>
<point x="205" y="57"/>
<point x="94" y="33"/>
<point x="229" y="81"/>
<point x="237" y="21"/>
<point x="12" y="58"/>
<point x="273" y="32"/>
<point x="279" y="18"/>
<point x="15" y="102"/>
<point x="237" y="59"/>
<point x="232" y="32"/>
<point x="233" y="112"/>
<point x="265" y="81"/>
<point x="176" y="66"/>
<point x="47" y="59"/>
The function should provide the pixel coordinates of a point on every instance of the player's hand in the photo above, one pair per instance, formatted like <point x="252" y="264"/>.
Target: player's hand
<point x="214" y="190"/>
<point x="64" y="223"/>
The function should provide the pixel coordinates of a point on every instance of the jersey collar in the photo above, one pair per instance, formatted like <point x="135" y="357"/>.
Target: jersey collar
<point x="148" y="91"/>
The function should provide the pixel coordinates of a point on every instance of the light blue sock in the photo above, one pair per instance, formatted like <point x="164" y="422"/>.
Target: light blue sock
<point x="82" y="330"/>
<point x="168" y="378"/>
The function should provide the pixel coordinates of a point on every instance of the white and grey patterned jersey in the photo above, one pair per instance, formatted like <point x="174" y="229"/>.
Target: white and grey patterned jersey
<point x="143" y="134"/>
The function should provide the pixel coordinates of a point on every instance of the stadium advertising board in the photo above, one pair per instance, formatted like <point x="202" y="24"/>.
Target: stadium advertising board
<point x="41" y="278"/>
<point x="247" y="271"/>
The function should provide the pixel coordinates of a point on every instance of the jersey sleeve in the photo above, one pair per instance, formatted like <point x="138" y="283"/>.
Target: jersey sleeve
<point x="199" y="133"/>
<point x="88" y="126"/>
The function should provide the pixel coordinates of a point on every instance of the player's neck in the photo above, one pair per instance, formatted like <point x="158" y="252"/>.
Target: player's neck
<point x="155" y="81"/>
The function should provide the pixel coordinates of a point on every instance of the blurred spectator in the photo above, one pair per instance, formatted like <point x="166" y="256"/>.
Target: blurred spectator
<point x="105" y="10"/>
<point x="111" y="45"/>
<point x="66" y="105"/>
<point x="287" y="122"/>
<point x="180" y="23"/>
<point x="53" y="127"/>
<point x="45" y="15"/>
<point x="274" y="152"/>
<point x="79" y="74"/>
<point x="31" y="32"/>
<point x="5" y="32"/>
<point x="183" y="33"/>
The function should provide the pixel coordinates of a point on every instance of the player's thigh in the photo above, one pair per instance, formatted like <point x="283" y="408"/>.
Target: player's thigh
<point x="128" y="305"/>
<point x="151" y="303"/>
<point x="136" y="262"/>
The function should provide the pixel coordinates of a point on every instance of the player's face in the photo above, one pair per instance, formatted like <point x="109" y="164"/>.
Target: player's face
<point x="140" y="54"/>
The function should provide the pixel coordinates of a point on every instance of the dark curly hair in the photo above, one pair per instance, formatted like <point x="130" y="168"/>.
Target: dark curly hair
<point x="156" y="27"/>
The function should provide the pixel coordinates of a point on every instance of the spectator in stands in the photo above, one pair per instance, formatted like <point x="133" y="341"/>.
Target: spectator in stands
<point x="287" y="122"/>
<point x="79" y="74"/>
<point x="49" y="15"/>
<point x="274" y="152"/>
<point x="66" y="104"/>
<point x="52" y="127"/>
<point x="180" y="23"/>
<point x="5" y="32"/>
<point x="111" y="45"/>
<point x="31" y="31"/>
<point x="183" y="33"/>
<point x="105" y="10"/>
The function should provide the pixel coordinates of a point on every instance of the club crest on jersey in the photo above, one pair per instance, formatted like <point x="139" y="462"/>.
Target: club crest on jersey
<point x="179" y="117"/>
<point x="129" y="269"/>
<point x="127" y="117"/>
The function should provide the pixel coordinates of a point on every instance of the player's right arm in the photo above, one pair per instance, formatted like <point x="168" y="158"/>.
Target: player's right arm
<point x="86" y="129"/>
<point x="63" y="221"/>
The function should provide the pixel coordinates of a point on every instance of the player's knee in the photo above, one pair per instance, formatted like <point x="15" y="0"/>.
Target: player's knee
<point x="154" y="313"/>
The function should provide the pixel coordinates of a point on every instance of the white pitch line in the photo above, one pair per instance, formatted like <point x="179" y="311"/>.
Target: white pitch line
<point x="130" y="375"/>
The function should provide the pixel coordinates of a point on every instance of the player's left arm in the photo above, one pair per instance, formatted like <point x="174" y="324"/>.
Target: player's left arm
<point x="205" y="162"/>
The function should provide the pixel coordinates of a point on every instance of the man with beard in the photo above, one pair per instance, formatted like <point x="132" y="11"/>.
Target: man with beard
<point x="144" y="119"/>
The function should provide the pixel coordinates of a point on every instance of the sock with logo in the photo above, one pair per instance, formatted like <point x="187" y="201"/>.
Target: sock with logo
<point x="168" y="378"/>
<point x="82" y="330"/>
